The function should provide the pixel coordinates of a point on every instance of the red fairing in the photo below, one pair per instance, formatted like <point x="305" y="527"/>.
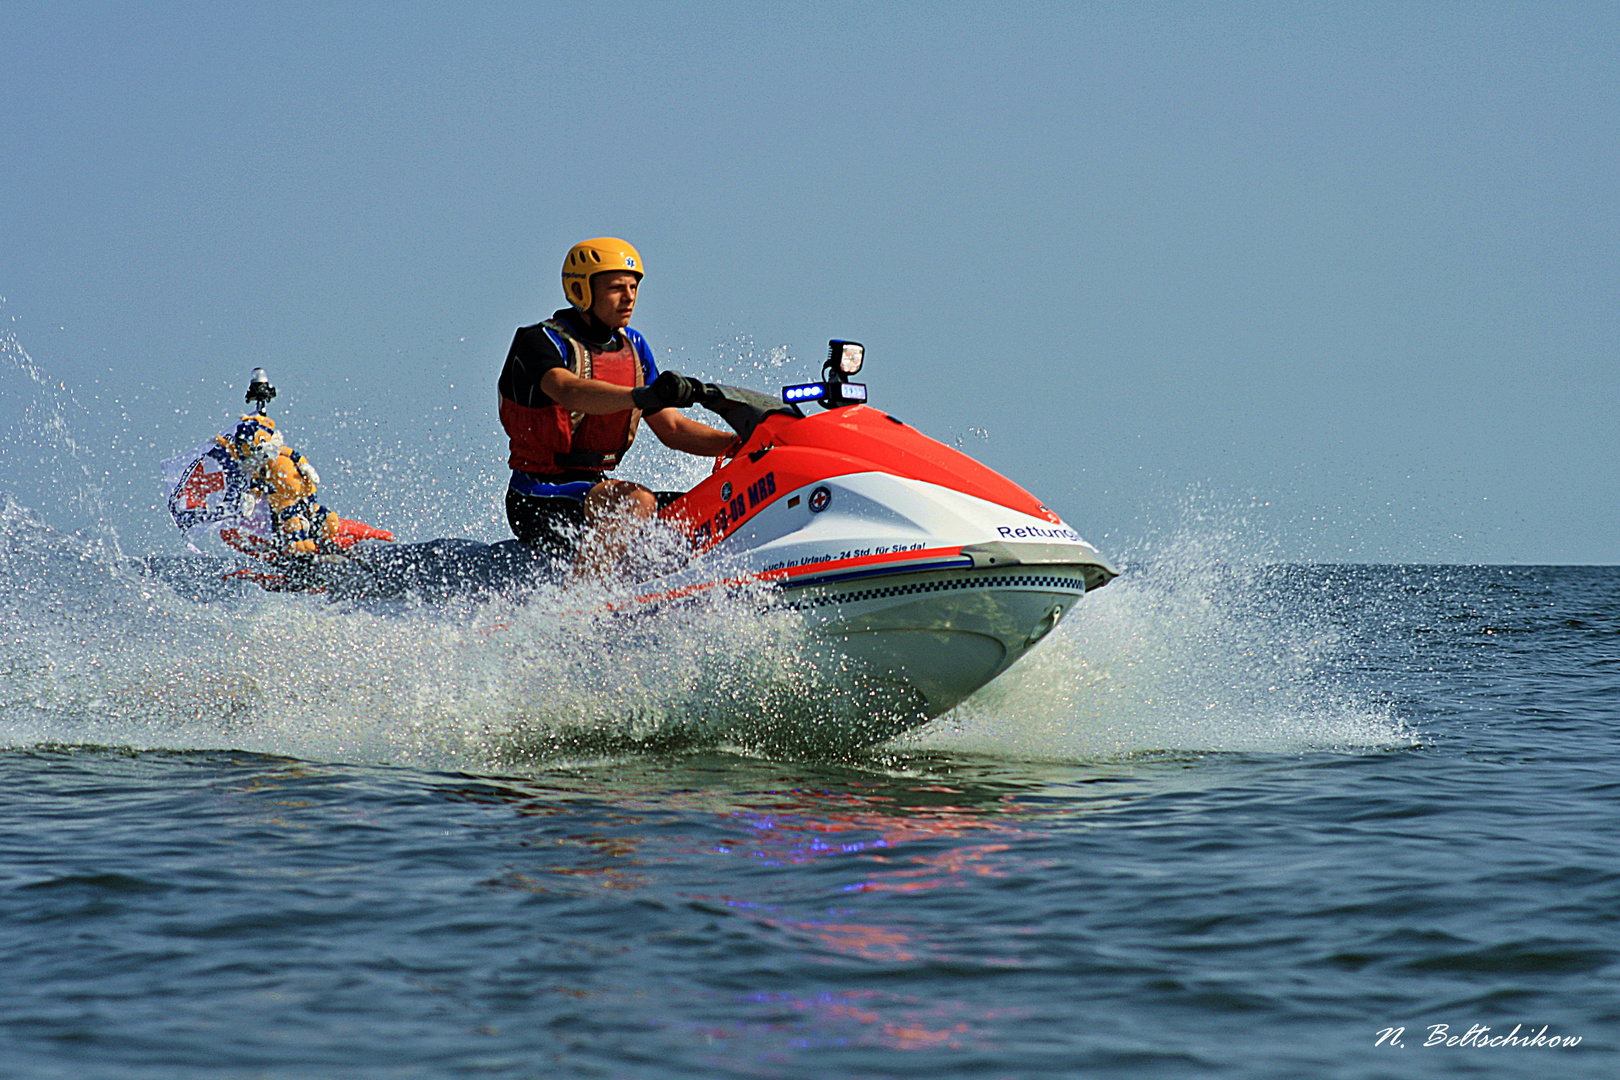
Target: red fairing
<point x="537" y="436"/>
<point x="348" y="533"/>
<point x="840" y="442"/>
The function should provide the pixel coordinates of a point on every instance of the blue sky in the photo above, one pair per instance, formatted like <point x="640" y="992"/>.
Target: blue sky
<point x="1339" y="280"/>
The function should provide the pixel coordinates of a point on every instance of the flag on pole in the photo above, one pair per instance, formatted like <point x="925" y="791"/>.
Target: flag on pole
<point x="209" y="496"/>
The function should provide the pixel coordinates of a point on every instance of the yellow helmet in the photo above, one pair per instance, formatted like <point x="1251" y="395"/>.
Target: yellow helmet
<point x="595" y="257"/>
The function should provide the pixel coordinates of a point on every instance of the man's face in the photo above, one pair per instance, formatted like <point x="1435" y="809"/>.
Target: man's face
<point x="613" y="297"/>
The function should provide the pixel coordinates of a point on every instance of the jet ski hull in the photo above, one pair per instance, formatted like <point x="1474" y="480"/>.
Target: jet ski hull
<point x="947" y="633"/>
<point x="932" y="587"/>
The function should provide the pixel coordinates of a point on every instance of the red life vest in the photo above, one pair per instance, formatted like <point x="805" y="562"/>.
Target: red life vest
<point x="552" y="439"/>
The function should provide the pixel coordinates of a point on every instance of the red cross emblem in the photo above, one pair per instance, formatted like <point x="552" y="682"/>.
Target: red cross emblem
<point x="200" y="484"/>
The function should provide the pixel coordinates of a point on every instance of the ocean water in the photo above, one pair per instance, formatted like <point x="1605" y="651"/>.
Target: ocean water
<point x="1228" y="820"/>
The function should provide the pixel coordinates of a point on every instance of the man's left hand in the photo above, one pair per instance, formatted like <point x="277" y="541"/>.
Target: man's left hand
<point x="671" y="390"/>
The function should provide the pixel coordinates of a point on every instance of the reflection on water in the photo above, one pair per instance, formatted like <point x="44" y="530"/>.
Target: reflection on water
<point x="833" y="866"/>
<point x="857" y="1018"/>
<point x="785" y="907"/>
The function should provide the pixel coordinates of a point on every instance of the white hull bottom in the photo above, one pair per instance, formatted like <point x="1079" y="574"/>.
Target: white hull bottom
<point x="938" y="636"/>
<point x="917" y="594"/>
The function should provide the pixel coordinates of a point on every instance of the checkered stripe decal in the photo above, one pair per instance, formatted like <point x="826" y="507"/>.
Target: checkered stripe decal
<point x="1066" y="584"/>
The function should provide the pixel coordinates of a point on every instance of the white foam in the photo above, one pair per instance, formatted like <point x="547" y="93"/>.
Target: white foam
<point x="1194" y="649"/>
<point x="1187" y="652"/>
<point x="92" y="651"/>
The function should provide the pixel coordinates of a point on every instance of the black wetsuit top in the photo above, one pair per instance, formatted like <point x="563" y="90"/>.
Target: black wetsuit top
<point x="533" y="353"/>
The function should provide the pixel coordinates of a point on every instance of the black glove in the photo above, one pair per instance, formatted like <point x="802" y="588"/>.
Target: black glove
<point x="670" y="390"/>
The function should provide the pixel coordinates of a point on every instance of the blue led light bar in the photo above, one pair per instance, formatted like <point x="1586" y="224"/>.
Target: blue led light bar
<point x="830" y="394"/>
<point x="793" y="395"/>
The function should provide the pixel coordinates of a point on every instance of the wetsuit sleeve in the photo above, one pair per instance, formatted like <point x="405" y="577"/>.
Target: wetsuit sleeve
<point x="649" y="367"/>
<point x="533" y="353"/>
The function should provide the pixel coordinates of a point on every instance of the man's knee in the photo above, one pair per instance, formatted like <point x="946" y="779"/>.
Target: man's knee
<point x="618" y="497"/>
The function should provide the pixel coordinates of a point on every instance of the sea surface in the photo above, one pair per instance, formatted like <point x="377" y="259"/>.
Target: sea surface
<point x="1227" y="821"/>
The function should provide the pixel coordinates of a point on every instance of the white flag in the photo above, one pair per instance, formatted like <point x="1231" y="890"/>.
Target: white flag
<point x="209" y="495"/>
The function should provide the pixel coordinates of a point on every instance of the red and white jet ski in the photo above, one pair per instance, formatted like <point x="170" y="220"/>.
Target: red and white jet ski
<point x="907" y="554"/>
<point x="931" y="570"/>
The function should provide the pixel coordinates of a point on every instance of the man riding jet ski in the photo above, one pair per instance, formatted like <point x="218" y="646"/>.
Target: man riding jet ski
<point x="930" y="571"/>
<point x="573" y="392"/>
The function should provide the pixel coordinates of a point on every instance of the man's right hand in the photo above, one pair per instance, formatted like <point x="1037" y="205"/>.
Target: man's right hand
<point x="670" y="390"/>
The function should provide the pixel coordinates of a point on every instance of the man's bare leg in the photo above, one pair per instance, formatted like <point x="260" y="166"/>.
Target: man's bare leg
<point x="614" y="511"/>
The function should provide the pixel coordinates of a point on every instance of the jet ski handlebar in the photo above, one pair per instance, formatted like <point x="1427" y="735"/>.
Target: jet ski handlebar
<point x="743" y="409"/>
